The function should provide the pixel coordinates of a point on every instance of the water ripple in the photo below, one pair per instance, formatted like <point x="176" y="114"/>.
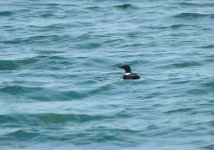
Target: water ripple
<point x="15" y="64"/>
<point x="6" y="13"/>
<point x="186" y="64"/>
<point x="180" y="110"/>
<point x="61" y="88"/>
<point x="191" y="15"/>
<point x="125" y="6"/>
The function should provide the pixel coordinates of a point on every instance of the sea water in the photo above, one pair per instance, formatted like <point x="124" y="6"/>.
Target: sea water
<point x="61" y="88"/>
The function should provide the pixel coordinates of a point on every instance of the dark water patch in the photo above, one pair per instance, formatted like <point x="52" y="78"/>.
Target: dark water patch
<point x="201" y="125"/>
<point x="94" y="91"/>
<point x="125" y="6"/>
<point x="113" y="130"/>
<point x="17" y="89"/>
<point x="192" y="4"/>
<point x="12" y="89"/>
<point x="8" y="120"/>
<point x="15" y="64"/>
<point x="186" y="64"/>
<point x="89" y="45"/>
<point x="180" y="26"/>
<point x="53" y="4"/>
<point x="176" y="26"/>
<point x="99" y="62"/>
<point x="6" y="13"/>
<point x="47" y="15"/>
<point x="55" y="95"/>
<point x="49" y="52"/>
<point x="50" y="94"/>
<point x="55" y="27"/>
<point x="53" y="63"/>
<point x="211" y="123"/>
<point x="49" y="55"/>
<point x="152" y="127"/>
<point x="209" y="147"/>
<point x="19" y="135"/>
<point x="135" y="45"/>
<point x="52" y="27"/>
<point x="153" y="95"/>
<point x="46" y="119"/>
<point x="103" y="89"/>
<point x="209" y="59"/>
<point x="51" y="14"/>
<point x="102" y="135"/>
<point x="105" y="137"/>
<point x="190" y="15"/>
<point x="197" y="91"/>
<point x="54" y="118"/>
<point x="134" y="34"/>
<point x="56" y="58"/>
<point x="209" y="85"/>
<point x="16" y="12"/>
<point x="73" y="95"/>
<point x="125" y="130"/>
<point x="207" y="46"/>
<point x="86" y="138"/>
<point x="114" y="137"/>
<point x="8" y="65"/>
<point x="28" y="61"/>
<point x="48" y="38"/>
<point x="62" y="118"/>
<point x="211" y="16"/>
<point x="180" y="110"/>
<point x="180" y="82"/>
<point x="37" y="39"/>
<point x="93" y="8"/>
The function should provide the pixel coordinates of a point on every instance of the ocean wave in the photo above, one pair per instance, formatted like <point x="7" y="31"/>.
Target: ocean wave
<point x="207" y="46"/>
<point x="125" y="6"/>
<point x="48" y="118"/>
<point x="209" y="59"/>
<point x="8" y="65"/>
<point x="62" y="118"/>
<point x="209" y="147"/>
<point x="18" y="89"/>
<point x="209" y="85"/>
<point x="36" y="39"/>
<point x="51" y="94"/>
<point x="194" y="4"/>
<point x="15" y="64"/>
<point x="190" y="15"/>
<point x="93" y="7"/>
<point x="6" y="13"/>
<point x="197" y="91"/>
<point x="21" y="135"/>
<point x="186" y="64"/>
<point x="60" y="84"/>
<point x="177" y="26"/>
<point x="179" y="110"/>
<point x="47" y="15"/>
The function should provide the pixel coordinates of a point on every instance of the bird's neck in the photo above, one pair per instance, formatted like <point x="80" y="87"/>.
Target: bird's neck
<point x="128" y="70"/>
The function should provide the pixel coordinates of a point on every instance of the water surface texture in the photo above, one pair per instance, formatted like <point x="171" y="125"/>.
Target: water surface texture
<point x="61" y="88"/>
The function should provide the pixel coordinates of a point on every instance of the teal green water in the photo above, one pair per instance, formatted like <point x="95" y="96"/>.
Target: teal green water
<point x="61" y="88"/>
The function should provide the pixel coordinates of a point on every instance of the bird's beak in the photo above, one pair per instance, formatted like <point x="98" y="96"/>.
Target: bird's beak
<point x="120" y="67"/>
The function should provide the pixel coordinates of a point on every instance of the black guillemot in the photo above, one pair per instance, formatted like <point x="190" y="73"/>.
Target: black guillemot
<point x="128" y="73"/>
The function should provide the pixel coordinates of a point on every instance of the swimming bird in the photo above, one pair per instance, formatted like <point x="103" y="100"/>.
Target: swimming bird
<point x="128" y="73"/>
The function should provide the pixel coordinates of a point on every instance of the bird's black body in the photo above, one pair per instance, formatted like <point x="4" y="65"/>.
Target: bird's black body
<point x="129" y="75"/>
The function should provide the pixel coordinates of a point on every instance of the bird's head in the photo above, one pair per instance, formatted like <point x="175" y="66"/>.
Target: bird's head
<point x="126" y="68"/>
